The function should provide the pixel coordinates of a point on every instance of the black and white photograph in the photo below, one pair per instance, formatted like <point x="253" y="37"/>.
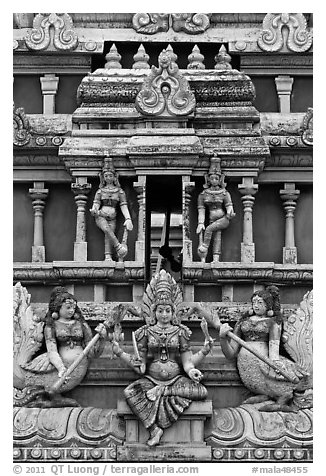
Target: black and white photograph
<point x="162" y="242"/>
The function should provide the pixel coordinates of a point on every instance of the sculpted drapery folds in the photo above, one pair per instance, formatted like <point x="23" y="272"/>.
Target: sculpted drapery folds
<point x="63" y="333"/>
<point x="264" y="330"/>
<point x="169" y="379"/>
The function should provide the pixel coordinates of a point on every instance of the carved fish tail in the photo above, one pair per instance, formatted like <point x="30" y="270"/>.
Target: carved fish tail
<point x="28" y="396"/>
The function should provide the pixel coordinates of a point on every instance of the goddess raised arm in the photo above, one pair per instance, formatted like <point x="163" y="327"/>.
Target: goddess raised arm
<point x="170" y="380"/>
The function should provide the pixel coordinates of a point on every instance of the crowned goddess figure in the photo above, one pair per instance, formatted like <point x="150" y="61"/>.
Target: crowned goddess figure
<point x="218" y="201"/>
<point x="108" y="199"/>
<point x="170" y="379"/>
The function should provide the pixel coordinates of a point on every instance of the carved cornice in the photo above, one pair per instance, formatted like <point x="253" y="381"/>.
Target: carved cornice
<point x="165" y="92"/>
<point x="285" y="32"/>
<point x="151" y="23"/>
<point x="59" y="272"/>
<point x="21" y="128"/>
<point x="64" y="38"/>
<point x="292" y="160"/>
<point x="36" y="131"/>
<point x="266" y="273"/>
<point x="307" y="135"/>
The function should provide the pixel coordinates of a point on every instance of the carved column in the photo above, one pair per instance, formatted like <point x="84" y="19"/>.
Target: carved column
<point x="284" y="88"/>
<point x="289" y="196"/>
<point x="49" y="86"/>
<point x="247" y="189"/>
<point x="187" y="190"/>
<point x="140" y="187"/>
<point x="81" y="189"/>
<point x="38" y="195"/>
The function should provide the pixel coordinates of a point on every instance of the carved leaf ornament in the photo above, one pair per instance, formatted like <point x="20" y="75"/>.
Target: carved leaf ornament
<point x="307" y="135"/>
<point x="165" y="91"/>
<point x="21" y="128"/>
<point x="285" y="31"/>
<point x="52" y="27"/>
<point x="151" y="23"/>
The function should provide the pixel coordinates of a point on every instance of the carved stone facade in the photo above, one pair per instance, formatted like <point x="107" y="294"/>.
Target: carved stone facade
<point x="230" y="98"/>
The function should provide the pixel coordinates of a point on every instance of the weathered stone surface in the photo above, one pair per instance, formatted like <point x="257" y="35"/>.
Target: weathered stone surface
<point x="246" y="434"/>
<point x="68" y="434"/>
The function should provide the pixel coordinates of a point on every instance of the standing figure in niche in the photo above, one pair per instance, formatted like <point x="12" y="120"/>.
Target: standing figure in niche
<point x="169" y="379"/>
<point x="65" y="333"/>
<point x="107" y="199"/>
<point x="218" y="201"/>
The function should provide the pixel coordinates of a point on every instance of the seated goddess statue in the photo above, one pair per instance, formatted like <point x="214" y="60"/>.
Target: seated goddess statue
<point x="169" y="379"/>
<point x="64" y="333"/>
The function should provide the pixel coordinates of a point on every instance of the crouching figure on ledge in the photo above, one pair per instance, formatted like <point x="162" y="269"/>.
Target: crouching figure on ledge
<point x="107" y="199"/>
<point x="162" y="356"/>
<point x="50" y="354"/>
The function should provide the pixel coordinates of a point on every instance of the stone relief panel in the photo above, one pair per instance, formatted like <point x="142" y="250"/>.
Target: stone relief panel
<point x="151" y="23"/>
<point x="165" y="91"/>
<point x="285" y="32"/>
<point x="64" y="37"/>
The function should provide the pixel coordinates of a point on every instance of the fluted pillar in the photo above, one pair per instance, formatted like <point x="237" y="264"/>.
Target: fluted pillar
<point x="80" y="189"/>
<point x="247" y="189"/>
<point x="140" y="187"/>
<point x="187" y="189"/>
<point x="289" y="196"/>
<point x="38" y="195"/>
<point x="49" y="86"/>
<point x="187" y="257"/>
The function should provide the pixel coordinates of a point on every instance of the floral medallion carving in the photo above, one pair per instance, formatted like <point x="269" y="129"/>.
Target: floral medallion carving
<point x="285" y="31"/>
<point x="21" y="129"/>
<point x="307" y="135"/>
<point x="150" y="23"/>
<point x="165" y="91"/>
<point x="193" y="23"/>
<point x="64" y="37"/>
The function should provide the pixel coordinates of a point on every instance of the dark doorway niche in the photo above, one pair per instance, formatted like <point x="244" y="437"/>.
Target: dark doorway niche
<point x="163" y="194"/>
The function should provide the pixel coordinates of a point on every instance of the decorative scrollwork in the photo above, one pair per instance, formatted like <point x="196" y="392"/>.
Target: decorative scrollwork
<point x="193" y="23"/>
<point x="150" y="23"/>
<point x="64" y="37"/>
<point x="307" y="135"/>
<point x="165" y="91"/>
<point x="21" y="128"/>
<point x="274" y="37"/>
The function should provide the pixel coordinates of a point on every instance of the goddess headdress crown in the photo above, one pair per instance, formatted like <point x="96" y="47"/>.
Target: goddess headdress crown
<point x="162" y="289"/>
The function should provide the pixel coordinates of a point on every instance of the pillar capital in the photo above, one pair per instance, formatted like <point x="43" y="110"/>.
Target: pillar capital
<point x="49" y="83"/>
<point x="289" y="193"/>
<point x="248" y="187"/>
<point x="81" y="188"/>
<point x="284" y="85"/>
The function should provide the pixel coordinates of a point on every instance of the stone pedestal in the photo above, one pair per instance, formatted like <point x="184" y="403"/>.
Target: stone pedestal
<point x="183" y="441"/>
